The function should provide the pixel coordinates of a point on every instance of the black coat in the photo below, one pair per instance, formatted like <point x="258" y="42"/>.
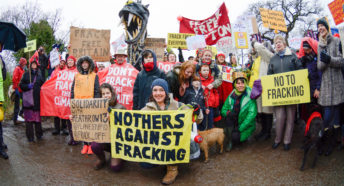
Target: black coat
<point x="24" y="85"/>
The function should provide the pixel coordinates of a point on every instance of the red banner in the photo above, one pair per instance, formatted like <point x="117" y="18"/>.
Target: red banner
<point x="166" y="66"/>
<point x="214" y="28"/>
<point x="55" y="94"/>
<point x="122" y="78"/>
<point x="336" y="8"/>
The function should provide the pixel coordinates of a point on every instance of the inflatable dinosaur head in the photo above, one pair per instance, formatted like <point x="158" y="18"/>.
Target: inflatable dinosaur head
<point x="134" y="16"/>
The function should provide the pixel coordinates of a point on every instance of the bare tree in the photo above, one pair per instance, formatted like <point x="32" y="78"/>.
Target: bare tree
<point x="299" y="14"/>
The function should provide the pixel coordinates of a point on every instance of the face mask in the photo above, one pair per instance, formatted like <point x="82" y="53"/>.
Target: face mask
<point x="148" y="66"/>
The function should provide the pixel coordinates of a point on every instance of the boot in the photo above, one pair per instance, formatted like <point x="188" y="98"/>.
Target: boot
<point x="64" y="127"/>
<point x="228" y="140"/>
<point x="84" y="149"/>
<point x="329" y="141"/>
<point x="3" y="154"/>
<point x="57" y="126"/>
<point x="337" y="133"/>
<point x="89" y="150"/>
<point x="268" y="125"/>
<point x="71" y="138"/>
<point x="170" y="177"/>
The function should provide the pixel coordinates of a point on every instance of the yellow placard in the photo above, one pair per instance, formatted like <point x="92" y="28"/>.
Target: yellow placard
<point x="158" y="137"/>
<point x="241" y="40"/>
<point x="176" y="40"/>
<point x="286" y="88"/>
<point x="30" y="46"/>
<point x="273" y="19"/>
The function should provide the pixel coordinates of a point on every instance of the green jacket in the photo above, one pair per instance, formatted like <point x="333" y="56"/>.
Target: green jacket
<point x="247" y="114"/>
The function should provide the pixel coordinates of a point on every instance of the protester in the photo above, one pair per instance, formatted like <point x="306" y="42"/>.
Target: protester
<point x="330" y="61"/>
<point x="261" y="54"/>
<point x="191" y="58"/>
<point x="17" y="75"/>
<point x="240" y="112"/>
<point x="99" y="149"/>
<point x="101" y="67"/>
<point x="283" y="61"/>
<point x="43" y="61"/>
<point x="161" y="100"/>
<point x="144" y="79"/>
<point x="31" y="83"/>
<point x="211" y="97"/>
<point x="180" y="80"/>
<point x="85" y="86"/>
<point x="226" y="87"/>
<point x="171" y="57"/>
<point x="221" y="59"/>
<point x="3" y="146"/>
<point x="206" y="58"/>
<point x="233" y="60"/>
<point x="60" y="124"/>
<point x="121" y="56"/>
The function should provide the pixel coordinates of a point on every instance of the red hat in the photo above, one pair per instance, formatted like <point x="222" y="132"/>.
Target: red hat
<point x="71" y="57"/>
<point x="22" y="61"/>
<point x="221" y="54"/>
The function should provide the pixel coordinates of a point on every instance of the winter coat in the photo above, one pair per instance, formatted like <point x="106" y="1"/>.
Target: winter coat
<point x="211" y="96"/>
<point x="332" y="83"/>
<point x="24" y="85"/>
<point x="215" y="72"/>
<point x="43" y="61"/>
<point x="196" y="96"/>
<point x="17" y="75"/>
<point x="142" y="86"/>
<point x="174" y="105"/>
<point x="96" y="93"/>
<point x="288" y="62"/>
<point x="247" y="114"/>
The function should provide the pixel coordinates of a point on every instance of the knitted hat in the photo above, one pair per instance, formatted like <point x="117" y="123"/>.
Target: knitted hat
<point x="162" y="83"/>
<point x="221" y="54"/>
<point x="305" y="44"/>
<point x="71" y="57"/>
<point x="22" y="61"/>
<point x="323" y="22"/>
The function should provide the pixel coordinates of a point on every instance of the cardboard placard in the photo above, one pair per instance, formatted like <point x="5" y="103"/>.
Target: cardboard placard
<point x="30" y="46"/>
<point x="273" y="19"/>
<point x="287" y="88"/>
<point x="90" y="120"/>
<point x="90" y="42"/>
<point x="241" y="41"/>
<point x="157" y="45"/>
<point x="336" y="8"/>
<point x="158" y="137"/>
<point x="176" y="40"/>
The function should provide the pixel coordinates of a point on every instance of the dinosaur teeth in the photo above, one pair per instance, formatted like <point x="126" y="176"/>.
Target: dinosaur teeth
<point x="130" y="17"/>
<point x="130" y="37"/>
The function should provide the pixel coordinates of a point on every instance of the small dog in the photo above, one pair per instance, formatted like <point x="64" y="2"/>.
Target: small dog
<point x="211" y="137"/>
<point x="313" y="138"/>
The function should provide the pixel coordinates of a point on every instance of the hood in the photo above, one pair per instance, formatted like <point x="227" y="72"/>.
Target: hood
<point x="313" y="43"/>
<point x="154" y="58"/>
<point x="85" y="58"/>
<point x="134" y="16"/>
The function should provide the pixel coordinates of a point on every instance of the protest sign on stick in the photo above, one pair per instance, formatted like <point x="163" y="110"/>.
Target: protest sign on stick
<point x="176" y="40"/>
<point x="273" y="19"/>
<point x="90" y="42"/>
<point x="158" y="137"/>
<point x="90" y="120"/>
<point x="157" y="45"/>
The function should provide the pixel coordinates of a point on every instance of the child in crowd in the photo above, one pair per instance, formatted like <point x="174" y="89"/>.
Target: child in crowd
<point x="85" y="86"/>
<point x="99" y="149"/>
<point x="211" y="97"/>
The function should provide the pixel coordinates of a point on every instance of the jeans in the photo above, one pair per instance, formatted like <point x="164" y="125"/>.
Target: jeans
<point x="17" y="109"/>
<point x="331" y="116"/>
<point x="208" y="120"/>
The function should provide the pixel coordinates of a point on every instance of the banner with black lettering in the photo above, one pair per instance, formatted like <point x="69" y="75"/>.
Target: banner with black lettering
<point x="157" y="137"/>
<point x="286" y="88"/>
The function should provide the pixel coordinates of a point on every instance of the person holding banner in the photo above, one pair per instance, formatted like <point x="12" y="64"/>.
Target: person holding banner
<point x="240" y="112"/>
<point x="330" y="61"/>
<point x="85" y="85"/>
<point x="283" y="61"/>
<point x="107" y="91"/>
<point x="17" y="75"/>
<point x="30" y="84"/>
<point x="150" y="72"/>
<point x="262" y="54"/>
<point x="160" y="99"/>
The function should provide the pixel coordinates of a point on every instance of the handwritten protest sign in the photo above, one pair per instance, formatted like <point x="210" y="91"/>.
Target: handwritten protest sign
<point x="90" y="42"/>
<point x="241" y="41"/>
<point x="158" y="137"/>
<point x="55" y="94"/>
<point x="176" y="40"/>
<point x="30" y="46"/>
<point x="122" y="78"/>
<point x="226" y="73"/>
<point x="90" y="120"/>
<point x="213" y="28"/>
<point x="336" y="8"/>
<point x="54" y="58"/>
<point x="273" y="19"/>
<point x="225" y="45"/>
<point x="286" y="88"/>
<point x="157" y="45"/>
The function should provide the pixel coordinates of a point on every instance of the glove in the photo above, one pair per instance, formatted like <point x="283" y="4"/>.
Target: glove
<point x="324" y="57"/>
<point x="30" y="86"/>
<point x="196" y="108"/>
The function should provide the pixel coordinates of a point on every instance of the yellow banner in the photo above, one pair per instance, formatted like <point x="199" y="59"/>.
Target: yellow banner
<point x="176" y="40"/>
<point x="158" y="137"/>
<point x="286" y="88"/>
<point x="273" y="19"/>
<point x="30" y="46"/>
<point x="241" y="40"/>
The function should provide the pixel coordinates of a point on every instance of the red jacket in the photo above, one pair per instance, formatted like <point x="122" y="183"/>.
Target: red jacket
<point x="211" y="97"/>
<point x="17" y="75"/>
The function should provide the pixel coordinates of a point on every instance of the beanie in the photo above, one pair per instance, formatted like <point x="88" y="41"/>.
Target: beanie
<point x="305" y="44"/>
<point x="323" y="22"/>
<point x="162" y="83"/>
<point x="71" y="57"/>
<point x="221" y="54"/>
